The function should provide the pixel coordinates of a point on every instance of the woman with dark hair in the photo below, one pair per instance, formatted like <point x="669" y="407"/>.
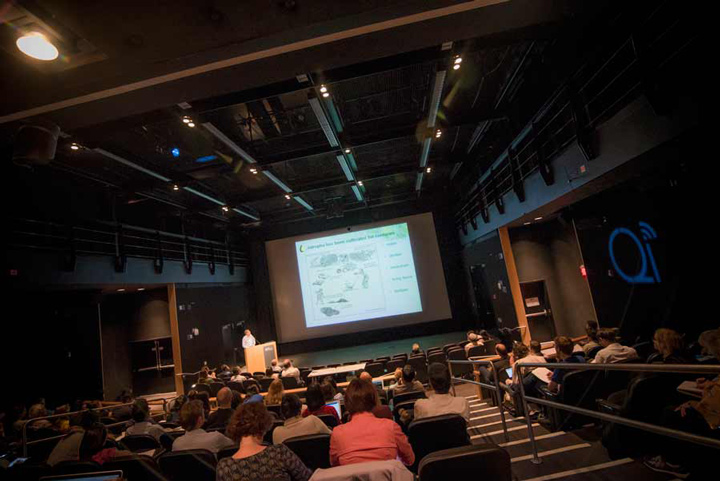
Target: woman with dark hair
<point x="176" y="407"/>
<point x="591" y="329"/>
<point x="203" y="397"/>
<point x="253" y="460"/>
<point x="366" y="437"/>
<point x="315" y="400"/>
<point x="339" y="396"/>
<point x="92" y="447"/>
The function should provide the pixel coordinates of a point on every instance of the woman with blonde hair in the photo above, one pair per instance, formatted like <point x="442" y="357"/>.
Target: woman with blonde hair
<point x="669" y="344"/>
<point x="275" y="393"/>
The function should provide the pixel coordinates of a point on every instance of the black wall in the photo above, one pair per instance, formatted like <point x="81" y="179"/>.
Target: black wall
<point x="549" y="251"/>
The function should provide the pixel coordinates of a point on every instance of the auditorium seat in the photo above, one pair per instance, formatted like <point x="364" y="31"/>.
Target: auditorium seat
<point x="42" y="448"/>
<point x="375" y="369"/>
<point x="317" y="368"/>
<point x="350" y="363"/>
<point x="420" y="365"/>
<point x="432" y="349"/>
<point x="227" y="452"/>
<point x="436" y="433"/>
<point x="245" y="374"/>
<point x="139" y="443"/>
<point x="195" y="464"/>
<point x="393" y="364"/>
<point x="408" y="396"/>
<point x="251" y="382"/>
<point x="329" y="420"/>
<point x="490" y="347"/>
<point x="447" y="347"/>
<point x="75" y="467"/>
<point x="437" y="357"/>
<point x="168" y="425"/>
<point x="269" y="433"/>
<point x="202" y="388"/>
<point x="258" y="374"/>
<point x="175" y="434"/>
<point x="407" y="406"/>
<point x="215" y="387"/>
<point x="366" y="361"/>
<point x="289" y="382"/>
<point x="236" y="386"/>
<point x="463" y="343"/>
<point x="136" y="468"/>
<point x="383" y="359"/>
<point x="27" y="471"/>
<point x="593" y="352"/>
<point x="333" y="365"/>
<point x="265" y="384"/>
<point x="459" y="370"/>
<point x="313" y="450"/>
<point x="489" y="459"/>
<point x="644" y="349"/>
<point x="477" y="351"/>
<point x="579" y="389"/>
<point x="276" y="409"/>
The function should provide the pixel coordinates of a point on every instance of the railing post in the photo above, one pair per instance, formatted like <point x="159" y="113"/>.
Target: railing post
<point x="451" y="377"/>
<point x="24" y="439"/>
<point x="535" y="459"/>
<point x="498" y="391"/>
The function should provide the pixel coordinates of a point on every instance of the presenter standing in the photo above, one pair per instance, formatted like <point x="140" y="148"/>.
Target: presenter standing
<point x="248" y="340"/>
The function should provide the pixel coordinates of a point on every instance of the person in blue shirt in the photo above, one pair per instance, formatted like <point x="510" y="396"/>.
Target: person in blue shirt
<point x="252" y="395"/>
<point x="564" y="352"/>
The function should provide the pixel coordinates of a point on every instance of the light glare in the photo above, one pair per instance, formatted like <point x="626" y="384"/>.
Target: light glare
<point x="35" y="45"/>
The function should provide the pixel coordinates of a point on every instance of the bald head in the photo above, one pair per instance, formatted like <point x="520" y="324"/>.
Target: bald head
<point x="224" y="397"/>
<point x="365" y="376"/>
<point x="287" y="364"/>
<point x="501" y="350"/>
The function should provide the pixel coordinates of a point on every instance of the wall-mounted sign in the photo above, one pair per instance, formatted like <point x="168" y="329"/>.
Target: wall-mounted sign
<point x="647" y="259"/>
<point x="532" y="302"/>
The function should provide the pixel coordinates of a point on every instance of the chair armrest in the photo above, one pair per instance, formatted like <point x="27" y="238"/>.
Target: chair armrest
<point x="607" y="407"/>
<point x="547" y="394"/>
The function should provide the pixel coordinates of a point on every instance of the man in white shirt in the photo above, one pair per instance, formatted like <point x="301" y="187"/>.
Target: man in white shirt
<point x="275" y="367"/>
<point x="296" y="425"/>
<point x="142" y="424"/>
<point x="248" y="339"/>
<point x="612" y="351"/>
<point x="192" y="417"/>
<point x="441" y="402"/>
<point x="534" y="356"/>
<point x="290" y="371"/>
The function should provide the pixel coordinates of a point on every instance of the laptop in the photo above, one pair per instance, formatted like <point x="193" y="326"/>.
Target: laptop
<point x="98" y="476"/>
<point x="336" y="405"/>
<point x="378" y="384"/>
<point x="509" y="372"/>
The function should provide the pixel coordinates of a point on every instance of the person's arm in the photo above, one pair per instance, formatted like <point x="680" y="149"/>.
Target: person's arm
<point x="294" y="466"/>
<point x="405" y="451"/>
<point x="553" y="386"/>
<point x="320" y="426"/>
<point x="222" y="441"/>
<point x="334" y="455"/>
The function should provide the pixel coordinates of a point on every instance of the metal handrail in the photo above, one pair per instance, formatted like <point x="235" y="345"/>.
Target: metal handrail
<point x="662" y="368"/>
<point x="495" y="388"/>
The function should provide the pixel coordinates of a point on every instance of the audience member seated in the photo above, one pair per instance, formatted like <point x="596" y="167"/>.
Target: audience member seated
<point x="398" y="378"/>
<point x="337" y="396"/>
<point x="416" y="349"/>
<point x="220" y="418"/>
<point x="255" y="461"/>
<point x="275" y="393"/>
<point x="290" y="371"/>
<point x="670" y="348"/>
<point x="252" y="395"/>
<point x="68" y="448"/>
<point x="366" y="437"/>
<point x="203" y="397"/>
<point x="275" y="367"/>
<point x="236" y="377"/>
<point x="177" y="405"/>
<point x="141" y="423"/>
<point x="329" y="390"/>
<point x="225" y="373"/>
<point x="500" y="365"/>
<point x="702" y="418"/>
<point x="526" y="356"/>
<point x="409" y="383"/>
<point x="204" y="378"/>
<point x="564" y="353"/>
<point x="39" y="429"/>
<point x="612" y="351"/>
<point x="591" y="329"/>
<point x="315" y="401"/>
<point x="474" y="340"/>
<point x="381" y="410"/>
<point x="296" y="425"/>
<point x="192" y="418"/>
<point x="440" y="401"/>
<point x="92" y="447"/>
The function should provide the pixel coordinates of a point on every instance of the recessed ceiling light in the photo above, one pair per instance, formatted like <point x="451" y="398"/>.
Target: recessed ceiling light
<point x="253" y="170"/>
<point x="141" y="288"/>
<point x="326" y="95"/>
<point x="347" y="151"/>
<point x="287" y="196"/>
<point x="323" y="89"/>
<point x="428" y="170"/>
<point x="360" y="182"/>
<point x="186" y="120"/>
<point x="527" y="223"/>
<point x="191" y="124"/>
<point x="458" y="60"/>
<point x="456" y="66"/>
<point x="176" y="187"/>
<point x="538" y="218"/>
<point x="225" y="208"/>
<point x="74" y="146"/>
<point x="121" y="290"/>
<point x="37" y="46"/>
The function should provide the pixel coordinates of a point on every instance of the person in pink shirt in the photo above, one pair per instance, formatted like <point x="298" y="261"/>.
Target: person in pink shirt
<point x="366" y="437"/>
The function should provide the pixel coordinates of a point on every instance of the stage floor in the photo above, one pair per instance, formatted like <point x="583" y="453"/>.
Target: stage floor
<point x="372" y="351"/>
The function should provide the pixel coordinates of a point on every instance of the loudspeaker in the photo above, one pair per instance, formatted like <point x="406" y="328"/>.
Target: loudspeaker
<point x="35" y="144"/>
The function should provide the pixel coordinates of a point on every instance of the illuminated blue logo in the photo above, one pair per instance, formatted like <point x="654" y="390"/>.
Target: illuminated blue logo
<point x="648" y="234"/>
<point x="175" y="152"/>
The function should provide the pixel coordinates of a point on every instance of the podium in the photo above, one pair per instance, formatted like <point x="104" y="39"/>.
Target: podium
<point x="259" y="357"/>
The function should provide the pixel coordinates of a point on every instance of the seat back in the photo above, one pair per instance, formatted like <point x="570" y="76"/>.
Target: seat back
<point x="333" y="365"/>
<point x="477" y="351"/>
<point x="275" y="408"/>
<point x="400" y="356"/>
<point x="376" y="369"/>
<point x="447" y="347"/>
<point x="136" y="468"/>
<point x="215" y="387"/>
<point x="489" y="459"/>
<point x="313" y="450"/>
<point x="250" y="382"/>
<point x="438" y="356"/>
<point x="420" y="365"/>
<point x="382" y="359"/>
<point x="433" y="349"/>
<point x="75" y="467"/>
<point x="490" y="346"/>
<point x="290" y="382"/>
<point x="195" y="464"/>
<point x="27" y="471"/>
<point x="236" y="386"/>
<point x="139" y="442"/>
<point x="265" y="384"/>
<point x="269" y="433"/>
<point x="202" y="388"/>
<point x="258" y="374"/>
<point x="408" y="396"/>
<point x="580" y="389"/>
<point x="394" y="364"/>
<point x="459" y="369"/>
<point x="329" y="420"/>
<point x="429" y="435"/>
<point x="593" y="352"/>
<point x="405" y="405"/>
<point x="644" y="349"/>
<point x="227" y="452"/>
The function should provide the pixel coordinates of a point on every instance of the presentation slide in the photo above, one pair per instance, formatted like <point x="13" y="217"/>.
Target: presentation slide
<point x="358" y="275"/>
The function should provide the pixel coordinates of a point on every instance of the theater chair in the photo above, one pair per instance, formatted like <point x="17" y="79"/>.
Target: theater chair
<point x="477" y="351"/>
<point x="269" y="433"/>
<point x="227" y="452"/>
<point x="275" y="409"/>
<point x="579" y="389"/>
<point x="195" y="464"/>
<point x="420" y="365"/>
<point x="251" y="382"/>
<point x="408" y="406"/>
<point x="290" y="382"/>
<point x="76" y="467"/>
<point x="139" y="443"/>
<point x="394" y="364"/>
<point x="265" y="384"/>
<point x="370" y="470"/>
<point x="433" y="434"/>
<point x="460" y="370"/>
<point x="408" y="396"/>
<point x="236" y="386"/>
<point x="447" y="347"/>
<point x="593" y="352"/>
<point x="382" y="359"/>
<point x="136" y="468"/>
<point x="313" y="450"/>
<point x="376" y="369"/>
<point x="329" y="420"/>
<point x="202" y="388"/>
<point x="215" y="387"/>
<point x="27" y="471"/>
<point x="489" y="461"/>
<point x="438" y="356"/>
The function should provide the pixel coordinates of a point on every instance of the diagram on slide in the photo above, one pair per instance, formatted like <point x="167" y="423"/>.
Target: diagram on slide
<point x="356" y="276"/>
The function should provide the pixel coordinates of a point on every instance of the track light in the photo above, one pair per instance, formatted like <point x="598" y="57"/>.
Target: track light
<point x="186" y="120"/>
<point x="287" y="196"/>
<point x="37" y="46"/>
<point x="225" y="208"/>
<point x="176" y="187"/>
<point x="458" y="60"/>
<point x="360" y="183"/>
<point x="347" y="151"/>
<point x="191" y="124"/>
<point x="323" y="89"/>
<point x="438" y="134"/>
<point x="253" y="170"/>
<point x="538" y="218"/>
<point x="428" y="170"/>
<point x="74" y="146"/>
<point x="326" y="95"/>
<point x="456" y="66"/>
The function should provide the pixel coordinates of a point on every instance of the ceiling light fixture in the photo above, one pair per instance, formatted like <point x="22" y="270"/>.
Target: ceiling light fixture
<point x="74" y="146"/>
<point x="360" y="183"/>
<point x="438" y="134"/>
<point x="287" y="196"/>
<point x="186" y="120"/>
<point x="253" y="170"/>
<point x="527" y="223"/>
<point x="347" y="151"/>
<point x="121" y="290"/>
<point x="458" y="60"/>
<point x="323" y="89"/>
<point x="538" y="218"/>
<point x="141" y="288"/>
<point x="326" y="95"/>
<point x="175" y="152"/>
<point x="176" y="187"/>
<point x="37" y="46"/>
<point x="225" y="208"/>
<point x="191" y="124"/>
<point x="456" y="66"/>
<point x="428" y="170"/>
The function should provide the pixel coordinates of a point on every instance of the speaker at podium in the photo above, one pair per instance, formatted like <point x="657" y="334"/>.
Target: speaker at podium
<point x="259" y="357"/>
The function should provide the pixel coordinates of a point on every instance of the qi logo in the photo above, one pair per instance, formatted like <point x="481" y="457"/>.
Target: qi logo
<point x="648" y="234"/>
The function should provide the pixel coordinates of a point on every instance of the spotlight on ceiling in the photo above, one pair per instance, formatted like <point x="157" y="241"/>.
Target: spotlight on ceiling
<point x="186" y="119"/>
<point x="74" y="146"/>
<point x="347" y="151"/>
<point x="538" y="218"/>
<point x="360" y="183"/>
<point x="121" y="290"/>
<point x="326" y="95"/>
<point x="175" y="152"/>
<point x="323" y="89"/>
<point x="438" y="134"/>
<point x="428" y="170"/>
<point x="225" y="208"/>
<point x="456" y="66"/>
<point x="176" y="187"/>
<point x="254" y="170"/>
<point x="287" y="196"/>
<point x="141" y="288"/>
<point x="191" y="124"/>
<point x="37" y="46"/>
<point x="527" y="223"/>
<point x="458" y="60"/>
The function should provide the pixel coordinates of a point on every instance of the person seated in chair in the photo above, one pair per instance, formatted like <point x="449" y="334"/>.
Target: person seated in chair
<point x="475" y="340"/>
<point x="316" y="403"/>
<point x="275" y="367"/>
<point x="221" y="417"/>
<point x="381" y="410"/>
<point x="337" y="394"/>
<point x="564" y="352"/>
<point x="142" y="424"/>
<point x="591" y="329"/>
<point x="92" y="447"/>
<point x="255" y="461"/>
<point x="236" y="377"/>
<point x="296" y="425"/>
<point x="500" y="365"/>
<point x="612" y="351"/>
<point x="275" y="393"/>
<point x="416" y="350"/>
<point x="204" y="378"/>
<point x="440" y="401"/>
<point x="670" y="348"/>
<point x="225" y="373"/>
<point x="366" y="437"/>
<point x="290" y="371"/>
<point x="252" y="395"/>
<point x="192" y="418"/>
<point x="409" y="383"/>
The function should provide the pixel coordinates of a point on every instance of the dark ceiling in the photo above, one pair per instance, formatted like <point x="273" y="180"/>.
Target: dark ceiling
<point x="257" y="144"/>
